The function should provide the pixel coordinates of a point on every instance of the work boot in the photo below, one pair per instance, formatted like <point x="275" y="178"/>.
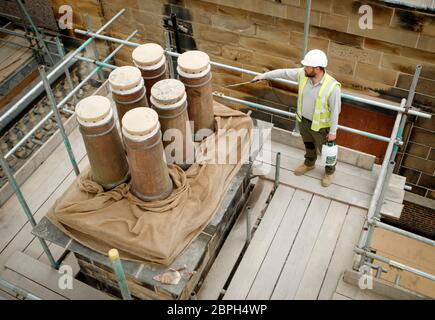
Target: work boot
<point x="326" y="179"/>
<point x="302" y="169"/>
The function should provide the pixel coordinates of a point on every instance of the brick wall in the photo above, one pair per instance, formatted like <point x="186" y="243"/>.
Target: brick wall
<point x="417" y="157"/>
<point x="263" y="34"/>
<point x="415" y="218"/>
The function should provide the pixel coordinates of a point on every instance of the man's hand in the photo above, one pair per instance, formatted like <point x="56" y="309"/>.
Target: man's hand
<point x="331" y="137"/>
<point x="259" y="78"/>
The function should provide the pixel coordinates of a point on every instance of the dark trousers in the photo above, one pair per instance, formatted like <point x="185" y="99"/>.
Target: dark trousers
<point x="313" y="141"/>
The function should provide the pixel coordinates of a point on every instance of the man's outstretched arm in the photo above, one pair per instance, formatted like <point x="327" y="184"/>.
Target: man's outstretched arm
<point x="289" y="74"/>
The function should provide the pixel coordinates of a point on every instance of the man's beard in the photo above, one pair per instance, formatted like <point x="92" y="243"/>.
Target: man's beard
<point x="309" y="75"/>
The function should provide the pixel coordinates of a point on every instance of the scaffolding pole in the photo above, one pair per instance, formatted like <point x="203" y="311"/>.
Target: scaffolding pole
<point x="5" y="166"/>
<point x="17" y="290"/>
<point x="38" y="36"/>
<point x="94" y="44"/>
<point x="410" y="235"/>
<point x="396" y="264"/>
<point x="61" y="52"/>
<point x="64" y="101"/>
<point x="372" y="211"/>
<point x="407" y="106"/>
<point x="55" y="110"/>
<point x="57" y="68"/>
<point x="293" y="115"/>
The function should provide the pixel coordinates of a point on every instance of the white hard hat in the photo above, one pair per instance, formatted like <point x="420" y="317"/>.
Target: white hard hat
<point x="315" y="58"/>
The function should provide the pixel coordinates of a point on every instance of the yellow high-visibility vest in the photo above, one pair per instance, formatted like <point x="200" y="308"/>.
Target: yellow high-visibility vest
<point x="321" y="116"/>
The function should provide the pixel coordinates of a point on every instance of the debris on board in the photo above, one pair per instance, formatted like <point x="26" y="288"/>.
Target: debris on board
<point x="173" y="276"/>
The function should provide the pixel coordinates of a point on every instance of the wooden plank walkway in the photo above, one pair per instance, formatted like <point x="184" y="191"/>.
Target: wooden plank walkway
<point x="350" y="184"/>
<point x="282" y="242"/>
<point x="246" y="271"/>
<point x="227" y="258"/>
<point x="296" y="250"/>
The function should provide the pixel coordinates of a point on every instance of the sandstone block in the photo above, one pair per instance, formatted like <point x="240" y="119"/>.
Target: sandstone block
<point x="388" y="34"/>
<point x="295" y="3"/>
<point x="427" y="181"/>
<point x="419" y="164"/>
<point x="233" y="24"/>
<point x="425" y="86"/>
<point x="273" y="33"/>
<point x="408" y="20"/>
<point x="270" y="62"/>
<point x="297" y="39"/>
<point x="237" y="54"/>
<point x="418" y="150"/>
<point x="261" y="19"/>
<point x="232" y="12"/>
<point x="291" y="25"/>
<point x="423" y="56"/>
<point x="334" y="22"/>
<point x="321" y="6"/>
<point x="407" y="65"/>
<point x="341" y="66"/>
<point x="276" y="49"/>
<point x="352" y="53"/>
<point x="298" y="14"/>
<point x="212" y="49"/>
<point x="373" y="73"/>
<point x="339" y="37"/>
<point x="412" y="176"/>
<point x="423" y="136"/>
<point x="428" y="124"/>
<point x="382" y="46"/>
<point x="426" y="43"/>
<point x="214" y="35"/>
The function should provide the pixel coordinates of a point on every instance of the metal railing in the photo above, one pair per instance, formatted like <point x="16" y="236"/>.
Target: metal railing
<point x="382" y="182"/>
<point x="3" y="163"/>
<point x="17" y="290"/>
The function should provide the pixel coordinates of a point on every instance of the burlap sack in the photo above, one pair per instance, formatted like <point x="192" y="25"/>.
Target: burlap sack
<point x="156" y="231"/>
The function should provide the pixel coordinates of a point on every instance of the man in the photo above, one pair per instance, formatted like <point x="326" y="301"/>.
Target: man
<point x="318" y="107"/>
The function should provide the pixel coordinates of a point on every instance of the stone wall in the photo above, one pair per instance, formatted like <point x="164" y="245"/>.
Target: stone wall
<point x="417" y="159"/>
<point x="261" y="35"/>
<point x="415" y="218"/>
<point x="96" y="15"/>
